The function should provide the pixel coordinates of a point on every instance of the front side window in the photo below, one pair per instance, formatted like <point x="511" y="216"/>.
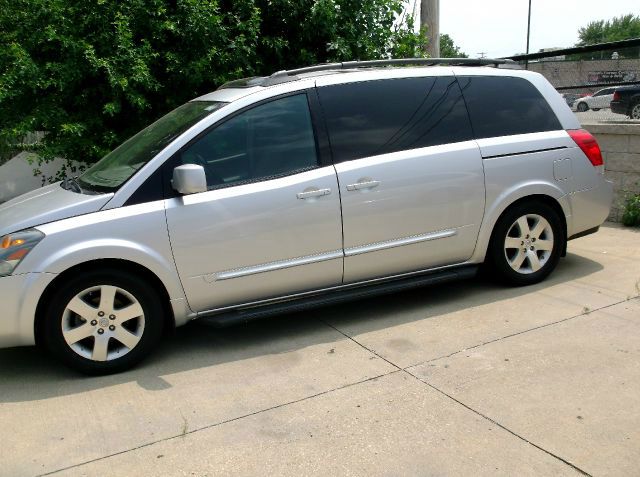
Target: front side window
<point x="269" y="140"/>
<point x="383" y="116"/>
<point x="114" y="169"/>
<point x="504" y="105"/>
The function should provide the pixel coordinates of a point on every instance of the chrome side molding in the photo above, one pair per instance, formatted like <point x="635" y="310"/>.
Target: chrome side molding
<point x="279" y="265"/>
<point x="374" y="247"/>
<point x="321" y="257"/>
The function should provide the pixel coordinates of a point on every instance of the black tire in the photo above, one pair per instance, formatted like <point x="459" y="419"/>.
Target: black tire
<point x="147" y="328"/>
<point x="582" y="107"/>
<point x="596" y="109"/>
<point x="499" y="258"/>
<point x="634" y="110"/>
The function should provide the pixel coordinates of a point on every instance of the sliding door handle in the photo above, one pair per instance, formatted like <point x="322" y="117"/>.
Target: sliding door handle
<point x="307" y="194"/>
<point x="368" y="184"/>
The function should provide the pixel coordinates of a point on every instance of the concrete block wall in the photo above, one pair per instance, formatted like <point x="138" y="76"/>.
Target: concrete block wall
<point x="620" y="144"/>
<point x="17" y="175"/>
<point x="571" y="73"/>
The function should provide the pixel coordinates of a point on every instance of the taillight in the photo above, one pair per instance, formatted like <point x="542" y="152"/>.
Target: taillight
<point x="616" y="96"/>
<point x="588" y="144"/>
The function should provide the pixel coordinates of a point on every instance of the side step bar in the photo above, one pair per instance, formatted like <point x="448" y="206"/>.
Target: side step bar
<point x="242" y="315"/>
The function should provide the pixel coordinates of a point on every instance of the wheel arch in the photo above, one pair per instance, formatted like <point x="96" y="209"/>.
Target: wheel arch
<point x="633" y="101"/>
<point x="486" y="235"/>
<point x="104" y="264"/>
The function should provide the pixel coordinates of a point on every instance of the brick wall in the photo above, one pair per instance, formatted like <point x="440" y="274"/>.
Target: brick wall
<point x="620" y="144"/>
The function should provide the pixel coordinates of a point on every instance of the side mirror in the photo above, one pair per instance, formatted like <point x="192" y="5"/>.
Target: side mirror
<point x="189" y="179"/>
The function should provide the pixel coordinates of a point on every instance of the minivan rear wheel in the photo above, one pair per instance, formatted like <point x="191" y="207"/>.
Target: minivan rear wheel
<point x="103" y="322"/>
<point x="526" y="244"/>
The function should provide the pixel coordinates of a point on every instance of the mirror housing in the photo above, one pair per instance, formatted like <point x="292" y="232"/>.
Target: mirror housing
<point x="189" y="179"/>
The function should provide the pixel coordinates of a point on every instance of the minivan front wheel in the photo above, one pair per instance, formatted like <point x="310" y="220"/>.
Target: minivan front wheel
<point x="103" y="322"/>
<point x="582" y="107"/>
<point x="526" y="244"/>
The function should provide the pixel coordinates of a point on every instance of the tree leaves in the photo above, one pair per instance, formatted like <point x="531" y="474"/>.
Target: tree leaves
<point x="616" y="29"/>
<point x="448" y="48"/>
<point x="91" y="73"/>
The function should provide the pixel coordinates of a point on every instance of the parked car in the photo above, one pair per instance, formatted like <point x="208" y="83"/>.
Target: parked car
<point x="302" y="188"/>
<point x="570" y="98"/>
<point x="599" y="100"/>
<point x="626" y="100"/>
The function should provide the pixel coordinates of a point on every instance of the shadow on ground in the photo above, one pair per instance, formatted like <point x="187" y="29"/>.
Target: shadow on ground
<point x="29" y="374"/>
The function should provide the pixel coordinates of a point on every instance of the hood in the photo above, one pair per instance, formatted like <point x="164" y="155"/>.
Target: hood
<point x="47" y="204"/>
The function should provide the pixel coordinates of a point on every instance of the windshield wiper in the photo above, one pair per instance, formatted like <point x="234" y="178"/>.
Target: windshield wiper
<point x="70" y="183"/>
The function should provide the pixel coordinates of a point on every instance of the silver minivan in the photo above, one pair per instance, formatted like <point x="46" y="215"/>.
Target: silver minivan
<point x="298" y="189"/>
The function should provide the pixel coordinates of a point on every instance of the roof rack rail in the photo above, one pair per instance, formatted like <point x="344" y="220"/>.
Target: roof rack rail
<point x="394" y="62"/>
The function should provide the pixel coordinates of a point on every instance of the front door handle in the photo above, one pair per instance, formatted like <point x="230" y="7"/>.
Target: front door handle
<point x="367" y="184"/>
<point x="307" y="194"/>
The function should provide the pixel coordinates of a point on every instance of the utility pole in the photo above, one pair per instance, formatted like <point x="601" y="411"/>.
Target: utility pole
<point x="482" y="54"/>
<point x="526" y="61"/>
<point x="430" y="18"/>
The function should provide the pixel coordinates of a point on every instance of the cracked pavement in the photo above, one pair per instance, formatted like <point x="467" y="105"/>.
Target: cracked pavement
<point x="467" y="378"/>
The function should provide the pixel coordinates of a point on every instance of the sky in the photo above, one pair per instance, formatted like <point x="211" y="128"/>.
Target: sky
<point x="499" y="27"/>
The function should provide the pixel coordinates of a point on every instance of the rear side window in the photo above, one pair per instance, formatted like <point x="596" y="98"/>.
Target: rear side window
<point x="383" y="116"/>
<point x="502" y="106"/>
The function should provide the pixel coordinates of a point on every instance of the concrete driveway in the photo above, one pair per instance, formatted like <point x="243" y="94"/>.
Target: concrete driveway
<point x="462" y="379"/>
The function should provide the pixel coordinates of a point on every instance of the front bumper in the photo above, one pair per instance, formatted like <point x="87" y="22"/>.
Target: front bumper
<point x="19" y="296"/>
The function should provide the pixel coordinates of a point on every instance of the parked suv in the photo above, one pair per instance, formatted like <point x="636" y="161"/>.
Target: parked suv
<point x="626" y="100"/>
<point x="302" y="188"/>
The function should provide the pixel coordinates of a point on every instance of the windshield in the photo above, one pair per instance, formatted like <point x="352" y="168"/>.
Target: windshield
<point x="119" y="165"/>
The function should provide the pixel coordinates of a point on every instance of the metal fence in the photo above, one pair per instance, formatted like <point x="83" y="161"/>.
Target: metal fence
<point x="588" y="76"/>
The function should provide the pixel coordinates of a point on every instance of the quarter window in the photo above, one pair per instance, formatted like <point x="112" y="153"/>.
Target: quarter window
<point x="378" y="117"/>
<point x="502" y="106"/>
<point x="269" y="140"/>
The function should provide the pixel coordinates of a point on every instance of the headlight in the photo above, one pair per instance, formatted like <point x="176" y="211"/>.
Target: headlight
<point x="14" y="247"/>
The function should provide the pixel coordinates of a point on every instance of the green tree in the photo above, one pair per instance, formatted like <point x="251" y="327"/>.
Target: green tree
<point x="448" y="48"/>
<point x="90" y="73"/>
<point x="616" y="29"/>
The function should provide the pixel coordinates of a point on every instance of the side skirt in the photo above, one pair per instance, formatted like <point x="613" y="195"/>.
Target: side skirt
<point x="242" y="315"/>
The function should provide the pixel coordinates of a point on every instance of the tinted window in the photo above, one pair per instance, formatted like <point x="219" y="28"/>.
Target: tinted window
<point x="501" y="106"/>
<point x="378" y="117"/>
<point x="119" y="165"/>
<point x="271" y="139"/>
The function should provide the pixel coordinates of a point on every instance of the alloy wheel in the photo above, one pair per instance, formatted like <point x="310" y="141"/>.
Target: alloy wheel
<point x="103" y="323"/>
<point x="529" y="243"/>
<point x="635" y="111"/>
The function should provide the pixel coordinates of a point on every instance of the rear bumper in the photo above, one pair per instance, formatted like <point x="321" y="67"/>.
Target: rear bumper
<point x="19" y="296"/>
<point x="590" y="208"/>
<point x="619" y="107"/>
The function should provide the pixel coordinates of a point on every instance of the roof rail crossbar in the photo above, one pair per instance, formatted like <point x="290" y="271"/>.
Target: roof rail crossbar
<point x="394" y="62"/>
